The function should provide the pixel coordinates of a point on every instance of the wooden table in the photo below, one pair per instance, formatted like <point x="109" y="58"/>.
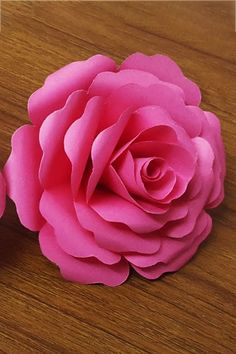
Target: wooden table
<point x="192" y="311"/>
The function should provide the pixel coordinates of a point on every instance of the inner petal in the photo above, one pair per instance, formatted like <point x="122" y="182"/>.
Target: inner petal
<point x="161" y="181"/>
<point x="175" y="155"/>
<point x="163" y="187"/>
<point x="153" y="169"/>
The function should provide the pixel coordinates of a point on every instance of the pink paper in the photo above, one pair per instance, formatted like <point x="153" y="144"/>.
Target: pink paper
<point x="2" y="194"/>
<point x="117" y="169"/>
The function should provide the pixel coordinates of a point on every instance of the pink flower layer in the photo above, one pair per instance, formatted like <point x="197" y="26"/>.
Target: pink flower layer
<point x="117" y="168"/>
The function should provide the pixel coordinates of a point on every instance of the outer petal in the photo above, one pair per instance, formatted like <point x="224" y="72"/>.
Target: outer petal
<point x="124" y="212"/>
<point x="166" y="70"/>
<point x="171" y="249"/>
<point x="87" y="271"/>
<point x="216" y="140"/>
<point x="212" y="133"/>
<point x="2" y="194"/>
<point x="183" y="254"/>
<point x="59" y="85"/>
<point x="135" y="96"/>
<point x="106" y="82"/>
<point x="55" y="167"/>
<point x="195" y="206"/>
<point x="57" y="208"/>
<point x="21" y="173"/>
<point x="112" y="236"/>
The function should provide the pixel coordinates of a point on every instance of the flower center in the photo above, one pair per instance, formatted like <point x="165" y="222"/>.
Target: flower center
<point x="153" y="169"/>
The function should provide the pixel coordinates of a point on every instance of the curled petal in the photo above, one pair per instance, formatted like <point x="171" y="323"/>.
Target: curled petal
<point x="128" y="170"/>
<point x="59" y="85"/>
<point x="165" y="69"/>
<point x="21" y="174"/>
<point x="146" y="121"/>
<point x="125" y="168"/>
<point x="158" y="187"/>
<point x="152" y="169"/>
<point x="148" y="117"/>
<point x="102" y="149"/>
<point x="113" y="181"/>
<point x="55" y="167"/>
<point x="87" y="271"/>
<point x="79" y="139"/>
<point x="163" y="187"/>
<point x="176" y="156"/>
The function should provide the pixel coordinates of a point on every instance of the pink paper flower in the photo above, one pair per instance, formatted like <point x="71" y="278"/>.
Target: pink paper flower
<point x="117" y="169"/>
<point x="2" y="194"/>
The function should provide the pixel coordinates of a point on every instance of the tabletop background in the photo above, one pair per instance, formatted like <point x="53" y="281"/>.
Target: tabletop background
<point x="192" y="311"/>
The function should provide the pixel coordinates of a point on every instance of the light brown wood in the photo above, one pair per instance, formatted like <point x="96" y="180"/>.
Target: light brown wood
<point x="192" y="311"/>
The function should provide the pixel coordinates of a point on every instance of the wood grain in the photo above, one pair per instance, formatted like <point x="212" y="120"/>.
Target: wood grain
<point x="192" y="311"/>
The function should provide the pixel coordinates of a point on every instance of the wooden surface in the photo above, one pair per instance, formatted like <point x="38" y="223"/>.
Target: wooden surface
<point x="192" y="311"/>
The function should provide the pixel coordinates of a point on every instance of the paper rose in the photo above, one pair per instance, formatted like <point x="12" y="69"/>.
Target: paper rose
<point x="2" y="194"/>
<point x="117" y="169"/>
